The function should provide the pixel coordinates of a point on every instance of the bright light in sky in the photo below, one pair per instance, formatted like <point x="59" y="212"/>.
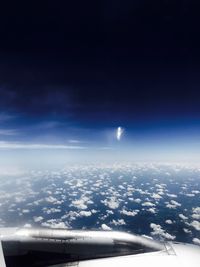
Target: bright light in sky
<point x="119" y="133"/>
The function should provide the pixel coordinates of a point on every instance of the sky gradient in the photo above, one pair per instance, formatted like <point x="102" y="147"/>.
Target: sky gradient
<point x="72" y="72"/>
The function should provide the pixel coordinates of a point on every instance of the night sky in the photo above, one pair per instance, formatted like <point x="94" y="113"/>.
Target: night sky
<point x="71" y="72"/>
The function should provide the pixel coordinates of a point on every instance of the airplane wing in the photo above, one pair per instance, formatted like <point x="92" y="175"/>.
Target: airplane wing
<point x="58" y="247"/>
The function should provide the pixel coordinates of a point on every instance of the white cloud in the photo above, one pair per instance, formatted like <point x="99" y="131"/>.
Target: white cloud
<point x="195" y="192"/>
<point x="118" y="222"/>
<point x="85" y="213"/>
<point x="112" y="203"/>
<point x="51" y="210"/>
<point x="173" y="204"/>
<point x="157" y="230"/>
<point x="195" y="224"/>
<point x="196" y="241"/>
<point x="27" y="225"/>
<point x="81" y="203"/>
<point x="38" y="219"/>
<point x="121" y="187"/>
<point x="109" y="212"/>
<point x="156" y="196"/>
<point x="189" y="195"/>
<point x="172" y="195"/>
<point x="196" y="213"/>
<point x="105" y="227"/>
<point x="168" y="222"/>
<point x="25" y="211"/>
<point x="71" y="215"/>
<point x="183" y="217"/>
<point x="129" y="213"/>
<point x="148" y="204"/>
<point x="53" y="223"/>
<point x="152" y="210"/>
<point x="53" y="200"/>
<point x="187" y="231"/>
<point x="94" y="211"/>
<point x="137" y="200"/>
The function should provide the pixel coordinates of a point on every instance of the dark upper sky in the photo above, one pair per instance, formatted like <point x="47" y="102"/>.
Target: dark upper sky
<point x="71" y="65"/>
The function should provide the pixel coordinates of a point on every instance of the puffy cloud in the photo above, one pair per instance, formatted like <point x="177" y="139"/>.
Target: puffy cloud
<point x="157" y="230"/>
<point x="118" y="222"/>
<point x="25" y="211"/>
<point x="187" y="231"/>
<point x="196" y="241"/>
<point x="53" y="200"/>
<point x="168" y="222"/>
<point x="71" y="216"/>
<point x="109" y="212"/>
<point x="148" y="204"/>
<point x="112" y="203"/>
<point x="121" y="187"/>
<point x="183" y="217"/>
<point x="152" y="210"/>
<point x="51" y="210"/>
<point x="54" y="224"/>
<point x="38" y="219"/>
<point x="156" y="196"/>
<point x="195" y="224"/>
<point x="105" y="227"/>
<point x="85" y="213"/>
<point x="137" y="200"/>
<point x="172" y="195"/>
<point x="195" y="192"/>
<point x="81" y="203"/>
<point x="196" y="213"/>
<point x="129" y="213"/>
<point x="196" y="210"/>
<point x="189" y="195"/>
<point x="173" y="204"/>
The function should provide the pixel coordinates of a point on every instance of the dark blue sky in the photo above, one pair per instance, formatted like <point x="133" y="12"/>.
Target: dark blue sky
<point x="71" y="72"/>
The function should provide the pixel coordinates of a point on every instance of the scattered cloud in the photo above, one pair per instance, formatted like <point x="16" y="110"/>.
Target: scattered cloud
<point x="172" y="204"/>
<point x="129" y="213"/>
<point x="53" y="223"/>
<point x="195" y="224"/>
<point x="187" y="231"/>
<point x="183" y="217"/>
<point x="157" y="230"/>
<point x="81" y="203"/>
<point x="196" y="241"/>
<point x="168" y="221"/>
<point x="196" y="213"/>
<point x="65" y="198"/>
<point x="156" y="196"/>
<point x="148" y="204"/>
<point x="118" y="222"/>
<point x="85" y="213"/>
<point x="112" y="203"/>
<point x="105" y="227"/>
<point x="38" y="219"/>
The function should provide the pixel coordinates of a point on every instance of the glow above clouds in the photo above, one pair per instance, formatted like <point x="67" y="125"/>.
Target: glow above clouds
<point x="119" y="133"/>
